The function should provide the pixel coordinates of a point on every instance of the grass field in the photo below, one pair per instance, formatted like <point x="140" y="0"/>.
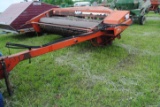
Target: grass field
<point x="125" y="74"/>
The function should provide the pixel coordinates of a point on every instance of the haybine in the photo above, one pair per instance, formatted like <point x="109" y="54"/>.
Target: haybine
<point x="100" y="25"/>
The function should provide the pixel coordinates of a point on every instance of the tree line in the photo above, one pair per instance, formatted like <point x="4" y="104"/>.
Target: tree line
<point x="58" y="2"/>
<point x="70" y="2"/>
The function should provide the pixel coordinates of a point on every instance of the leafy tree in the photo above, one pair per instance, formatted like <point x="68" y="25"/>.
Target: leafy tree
<point x="98" y="1"/>
<point x="58" y="2"/>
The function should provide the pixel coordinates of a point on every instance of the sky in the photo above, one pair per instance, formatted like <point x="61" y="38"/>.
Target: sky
<point x="4" y="4"/>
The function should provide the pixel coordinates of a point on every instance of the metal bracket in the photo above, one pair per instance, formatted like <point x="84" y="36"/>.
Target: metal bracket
<point x="6" y="77"/>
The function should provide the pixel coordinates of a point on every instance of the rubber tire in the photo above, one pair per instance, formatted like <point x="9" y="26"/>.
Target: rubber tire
<point x="155" y="11"/>
<point x="158" y="10"/>
<point x="142" y="20"/>
<point x="1" y="101"/>
<point x="147" y="10"/>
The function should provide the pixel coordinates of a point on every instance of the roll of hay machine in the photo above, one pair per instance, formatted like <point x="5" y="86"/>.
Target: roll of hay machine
<point x="137" y="8"/>
<point x="99" y="25"/>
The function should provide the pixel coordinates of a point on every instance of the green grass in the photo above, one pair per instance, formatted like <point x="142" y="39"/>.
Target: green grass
<point x="125" y="74"/>
<point x="153" y="14"/>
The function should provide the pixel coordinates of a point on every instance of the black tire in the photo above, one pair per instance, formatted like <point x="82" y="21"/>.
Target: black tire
<point x="155" y="11"/>
<point x="1" y="101"/>
<point x="158" y="10"/>
<point x="142" y="20"/>
<point x="147" y="10"/>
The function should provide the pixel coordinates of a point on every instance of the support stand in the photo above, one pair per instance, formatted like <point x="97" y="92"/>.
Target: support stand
<point x="6" y="77"/>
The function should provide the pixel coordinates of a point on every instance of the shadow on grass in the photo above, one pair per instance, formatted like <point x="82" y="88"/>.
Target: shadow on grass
<point x="87" y="46"/>
<point x="24" y="36"/>
<point x="18" y="36"/>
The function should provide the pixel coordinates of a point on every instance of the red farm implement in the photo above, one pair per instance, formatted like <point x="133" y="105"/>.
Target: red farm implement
<point x="154" y="5"/>
<point x="100" y="25"/>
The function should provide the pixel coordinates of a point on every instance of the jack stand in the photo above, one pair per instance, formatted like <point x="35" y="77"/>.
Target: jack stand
<point x="6" y="77"/>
